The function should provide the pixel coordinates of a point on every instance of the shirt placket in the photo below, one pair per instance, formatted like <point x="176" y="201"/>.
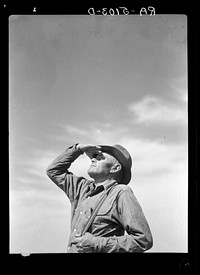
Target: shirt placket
<point x="84" y="213"/>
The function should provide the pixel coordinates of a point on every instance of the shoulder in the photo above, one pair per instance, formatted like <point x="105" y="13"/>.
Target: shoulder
<point x="126" y="197"/>
<point x="122" y="190"/>
<point x="125" y="192"/>
<point x="123" y="187"/>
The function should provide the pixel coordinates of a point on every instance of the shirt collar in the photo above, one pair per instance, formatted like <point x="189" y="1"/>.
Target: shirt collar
<point x="106" y="184"/>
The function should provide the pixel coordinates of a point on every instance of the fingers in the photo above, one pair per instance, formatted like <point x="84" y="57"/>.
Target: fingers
<point x="92" y="150"/>
<point x="77" y="239"/>
<point x="83" y="243"/>
<point x="86" y="147"/>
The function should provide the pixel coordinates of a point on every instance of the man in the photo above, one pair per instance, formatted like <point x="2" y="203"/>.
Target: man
<point x="120" y="225"/>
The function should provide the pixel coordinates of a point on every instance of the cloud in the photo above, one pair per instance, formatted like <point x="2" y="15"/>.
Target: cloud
<point x="73" y="130"/>
<point x="159" y="182"/>
<point x="37" y="206"/>
<point x="29" y="173"/>
<point x="93" y="132"/>
<point x="154" y="110"/>
<point x="150" y="157"/>
<point x="38" y="221"/>
<point x="179" y="88"/>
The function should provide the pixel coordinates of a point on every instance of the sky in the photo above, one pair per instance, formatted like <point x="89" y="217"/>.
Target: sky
<point x="97" y="80"/>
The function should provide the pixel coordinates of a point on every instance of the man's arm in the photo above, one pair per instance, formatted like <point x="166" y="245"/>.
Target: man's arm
<point x="131" y="216"/>
<point x="58" y="169"/>
<point x="138" y="237"/>
<point x="58" y="172"/>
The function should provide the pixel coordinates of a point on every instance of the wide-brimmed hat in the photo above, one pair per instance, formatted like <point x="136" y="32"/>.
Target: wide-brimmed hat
<point x="124" y="158"/>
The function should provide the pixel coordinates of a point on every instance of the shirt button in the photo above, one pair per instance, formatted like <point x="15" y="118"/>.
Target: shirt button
<point x="74" y="229"/>
<point x="81" y="212"/>
<point x="69" y="247"/>
<point x="88" y="216"/>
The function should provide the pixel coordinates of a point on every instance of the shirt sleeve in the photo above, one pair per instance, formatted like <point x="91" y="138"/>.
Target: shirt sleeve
<point x="131" y="217"/>
<point x="59" y="174"/>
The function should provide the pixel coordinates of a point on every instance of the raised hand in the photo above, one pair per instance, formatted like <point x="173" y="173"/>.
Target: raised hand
<point x="89" y="149"/>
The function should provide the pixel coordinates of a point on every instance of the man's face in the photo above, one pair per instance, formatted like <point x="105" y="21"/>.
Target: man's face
<point x="100" y="166"/>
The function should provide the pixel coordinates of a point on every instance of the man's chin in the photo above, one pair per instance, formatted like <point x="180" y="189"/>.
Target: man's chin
<point x="91" y="173"/>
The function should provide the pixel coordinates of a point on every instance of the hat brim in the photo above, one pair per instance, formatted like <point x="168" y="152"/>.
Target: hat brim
<point x="122" y="160"/>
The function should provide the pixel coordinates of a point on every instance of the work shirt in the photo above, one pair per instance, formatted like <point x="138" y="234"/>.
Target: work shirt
<point x="119" y="226"/>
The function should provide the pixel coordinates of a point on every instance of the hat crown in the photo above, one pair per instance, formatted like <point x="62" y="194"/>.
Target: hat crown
<point x="125" y="153"/>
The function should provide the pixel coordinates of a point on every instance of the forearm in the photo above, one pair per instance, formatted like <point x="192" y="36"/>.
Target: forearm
<point x="90" y="243"/>
<point x="121" y="244"/>
<point x="62" y="163"/>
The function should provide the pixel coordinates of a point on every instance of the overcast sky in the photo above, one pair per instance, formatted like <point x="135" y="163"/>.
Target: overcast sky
<point x="101" y="80"/>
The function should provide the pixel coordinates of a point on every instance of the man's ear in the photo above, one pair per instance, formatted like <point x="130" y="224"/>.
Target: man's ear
<point x="116" y="168"/>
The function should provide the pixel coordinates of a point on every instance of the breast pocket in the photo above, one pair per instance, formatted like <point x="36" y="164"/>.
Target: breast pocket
<point x="104" y="223"/>
<point x="106" y="208"/>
